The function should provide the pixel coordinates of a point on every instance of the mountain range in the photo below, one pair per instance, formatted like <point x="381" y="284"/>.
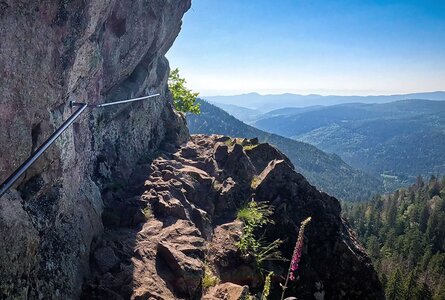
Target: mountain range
<point x="264" y="103"/>
<point x="399" y="139"/>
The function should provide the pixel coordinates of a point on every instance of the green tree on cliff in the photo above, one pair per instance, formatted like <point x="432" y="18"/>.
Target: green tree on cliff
<point x="184" y="99"/>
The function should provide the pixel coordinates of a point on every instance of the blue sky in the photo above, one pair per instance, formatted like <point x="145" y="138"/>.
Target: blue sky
<point x="339" y="47"/>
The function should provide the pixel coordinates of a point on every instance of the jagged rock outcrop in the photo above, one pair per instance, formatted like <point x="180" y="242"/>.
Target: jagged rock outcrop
<point x="190" y="202"/>
<point x="90" y="51"/>
<point x="227" y="291"/>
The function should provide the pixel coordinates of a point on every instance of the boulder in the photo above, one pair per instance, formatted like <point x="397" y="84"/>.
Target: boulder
<point x="187" y="270"/>
<point x="262" y="154"/>
<point x="227" y="291"/>
<point x="229" y="263"/>
<point x="238" y="165"/>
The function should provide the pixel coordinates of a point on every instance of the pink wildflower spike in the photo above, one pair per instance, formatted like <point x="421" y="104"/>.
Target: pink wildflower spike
<point x="298" y="249"/>
<point x="296" y="255"/>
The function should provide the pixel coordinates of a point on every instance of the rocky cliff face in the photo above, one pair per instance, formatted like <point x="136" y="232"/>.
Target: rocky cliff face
<point x="89" y="51"/>
<point x="190" y="200"/>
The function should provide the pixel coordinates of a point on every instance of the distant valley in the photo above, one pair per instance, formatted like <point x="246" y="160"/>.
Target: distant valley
<point x="395" y="141"/>
<point x="400" y="139"/>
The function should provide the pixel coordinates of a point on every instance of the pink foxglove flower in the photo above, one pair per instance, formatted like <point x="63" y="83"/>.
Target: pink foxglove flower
<point x="296" y="255"/>
<point x="298" y="249"/>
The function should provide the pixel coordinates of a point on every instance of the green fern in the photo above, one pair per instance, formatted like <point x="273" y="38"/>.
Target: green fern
<point x="254" y="216"/>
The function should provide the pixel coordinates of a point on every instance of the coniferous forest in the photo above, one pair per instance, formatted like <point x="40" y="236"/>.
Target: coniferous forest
<point x="404" y="234"/>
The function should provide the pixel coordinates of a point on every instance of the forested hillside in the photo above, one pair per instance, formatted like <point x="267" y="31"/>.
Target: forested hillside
<point x="326" y="171"/>
<point x="397" y="140"/>
<point x="405" y="235"/>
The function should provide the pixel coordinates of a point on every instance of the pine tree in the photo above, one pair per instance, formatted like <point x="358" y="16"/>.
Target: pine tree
<point x="423" y="293"/>
<point x="394" y="287"/>
<point x="409" y="286"/>
<point x="384" y="281"/>
<point x="423" y="218"/>
<point x="440" y="294"/>
<point x="419" y="182"/>
<point x="392" y="214"/>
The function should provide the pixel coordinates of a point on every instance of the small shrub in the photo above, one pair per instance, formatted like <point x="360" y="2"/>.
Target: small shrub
<point x="100" y="118"/>
<point x="209" y="279"/>
<point x="184" y="100"/>
<point x="255" y="214"/>
<point x="147" y="213"/>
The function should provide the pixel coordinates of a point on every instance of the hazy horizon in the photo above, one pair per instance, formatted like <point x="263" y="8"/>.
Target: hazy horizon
<point x="319" y="94"/>
<point x="269" y="102"/>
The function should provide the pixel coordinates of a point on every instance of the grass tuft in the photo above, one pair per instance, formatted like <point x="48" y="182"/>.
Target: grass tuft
<point x="249" y="147"/>
<point x="147" y="213"/>
<point x="209" y="279"/>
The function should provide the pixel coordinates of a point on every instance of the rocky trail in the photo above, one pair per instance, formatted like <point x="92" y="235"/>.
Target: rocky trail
<point x="159" y="239"/>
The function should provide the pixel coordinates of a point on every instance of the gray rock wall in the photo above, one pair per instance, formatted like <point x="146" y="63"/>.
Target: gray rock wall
<point x="90" y="51"/>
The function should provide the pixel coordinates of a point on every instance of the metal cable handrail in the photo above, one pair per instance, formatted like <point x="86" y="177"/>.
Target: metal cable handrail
<point x="6" y="185"/>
